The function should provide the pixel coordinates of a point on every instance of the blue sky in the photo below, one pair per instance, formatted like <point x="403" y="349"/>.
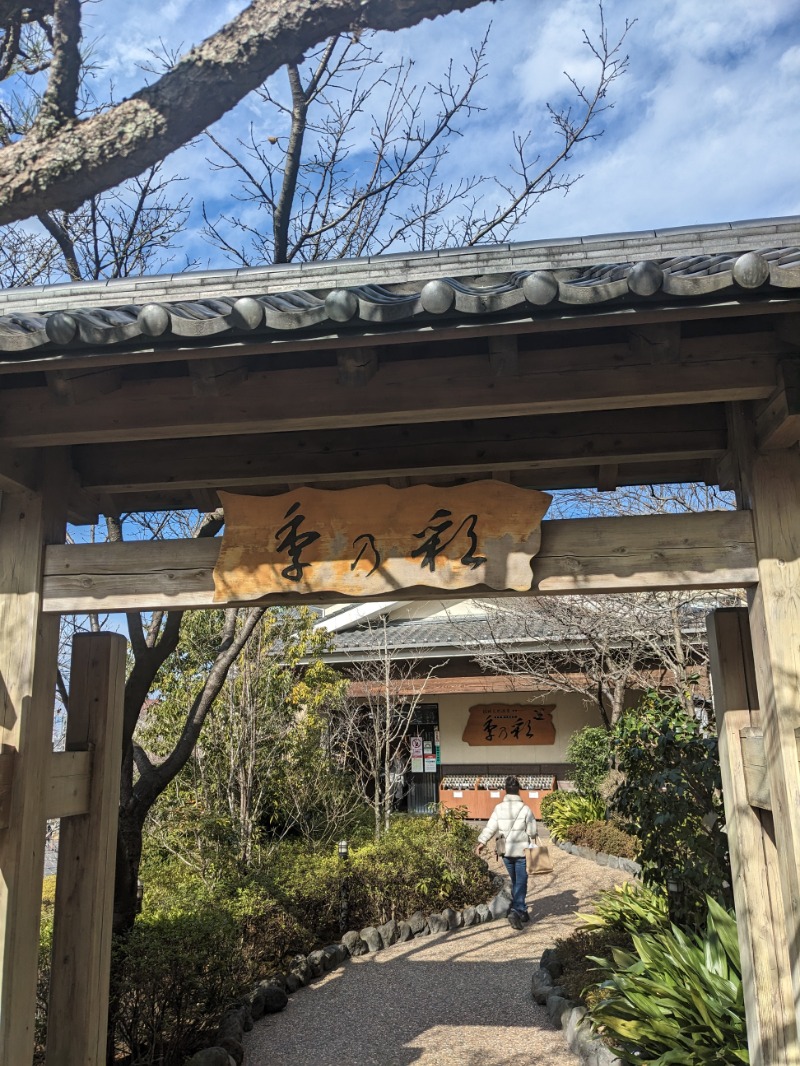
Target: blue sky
<point x="706" y="125"/>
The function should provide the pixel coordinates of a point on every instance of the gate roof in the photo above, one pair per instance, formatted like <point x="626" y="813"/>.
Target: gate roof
<point x="595" y="361"/>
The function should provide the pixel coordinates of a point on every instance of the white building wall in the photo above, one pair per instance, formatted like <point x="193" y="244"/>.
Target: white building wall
<point x="572" y="712"/>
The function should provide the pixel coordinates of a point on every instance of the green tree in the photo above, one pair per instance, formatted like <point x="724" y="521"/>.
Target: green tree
<point x="589" y="750"/>
<point x="261" y="767"/>
<point x="671" y="794"/>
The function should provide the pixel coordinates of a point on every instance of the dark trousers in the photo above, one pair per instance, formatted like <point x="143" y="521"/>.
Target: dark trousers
<point x="518" y="873"/>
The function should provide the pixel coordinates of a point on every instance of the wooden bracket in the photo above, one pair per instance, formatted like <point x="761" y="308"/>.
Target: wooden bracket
<point x="68" y="784"/>
<point x="607" y="477"/>
<point x="215" y="377"/>
<point x="778" y="421"/>
<point x="660" y="342"/>
<point x="7" y="759"/>
<point x="787" y="329"/>
<point x="754" y="760"/>
<point x="504" y="356"/>
<point x="82" y="386"/>
<point x="356" y="366"/>
<point x="18" y="470"/>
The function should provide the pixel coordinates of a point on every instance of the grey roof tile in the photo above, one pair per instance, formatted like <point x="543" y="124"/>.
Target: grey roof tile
<point x="591" y="271"/>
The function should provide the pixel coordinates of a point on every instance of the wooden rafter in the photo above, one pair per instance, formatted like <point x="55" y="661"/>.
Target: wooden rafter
<point x="430" y="449"/>
<point x="400" y="393"/>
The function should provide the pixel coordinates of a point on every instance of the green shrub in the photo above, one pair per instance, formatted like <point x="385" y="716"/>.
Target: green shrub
<point x="605" y="837"/>
<point x="589" y="751"/>
<point x="43" y="977"/>
<point x="671" y="794"/>
<point x="419" y="864"/>
<point x="560" y="810"/>
<point x="197" y="945"/>
<point x="676" y="999"/>
<point x="580" y="974"/>
<point x="620" y="913"/>
<point x="630" y="907"/>
<point x="548" y="803"/>
<point x="190" y="952"/>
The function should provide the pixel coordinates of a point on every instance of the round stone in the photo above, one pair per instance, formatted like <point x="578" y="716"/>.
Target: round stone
<point x="750" y="270"/>
<point x="341" y="305"/>
<point x="61" y="328"/>
<point x="646" y="278"/>
<point x="437" y="297"/>
<point x="154" y="320"/>
<point x="540" y="288"/>
<point x="247" y="313"/>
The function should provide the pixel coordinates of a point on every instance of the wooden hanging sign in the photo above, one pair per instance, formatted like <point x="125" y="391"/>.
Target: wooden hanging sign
<point x="503" y="724"/>
<point x="376" y="540"/>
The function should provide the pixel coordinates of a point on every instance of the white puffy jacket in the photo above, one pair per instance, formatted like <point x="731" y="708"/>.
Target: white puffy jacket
<point x="515" y="821"/>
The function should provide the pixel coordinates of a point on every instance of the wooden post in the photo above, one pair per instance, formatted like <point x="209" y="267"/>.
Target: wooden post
<point x="773" y="483"/>
<point x="78" y="1014"/>
<point x="28" y="660"/>
<point x="771" y="1026"/>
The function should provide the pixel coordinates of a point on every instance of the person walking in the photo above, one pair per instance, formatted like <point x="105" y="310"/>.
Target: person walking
<point x="513" y="821"/>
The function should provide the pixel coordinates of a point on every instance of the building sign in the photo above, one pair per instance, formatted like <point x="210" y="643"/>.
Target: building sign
<point x="503" y="724"/>
<point x="416" y="755"/>
<point x="376" y="540"/>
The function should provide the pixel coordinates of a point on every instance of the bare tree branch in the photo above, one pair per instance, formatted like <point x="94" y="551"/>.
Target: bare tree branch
<point x="61" y="95"/>
<point x="40" y="173"/>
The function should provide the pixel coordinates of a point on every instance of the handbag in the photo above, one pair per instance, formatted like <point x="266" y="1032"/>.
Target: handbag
<point x="537" y="858"/>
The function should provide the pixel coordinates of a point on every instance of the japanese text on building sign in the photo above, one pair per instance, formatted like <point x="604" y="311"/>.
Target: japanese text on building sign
<point x="376" y="539"/>
<point x="496" y="724"/>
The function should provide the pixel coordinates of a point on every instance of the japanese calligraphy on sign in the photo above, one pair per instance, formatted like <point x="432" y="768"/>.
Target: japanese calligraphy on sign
<point x="502" y="724"/>
<point x="376" y="540"/>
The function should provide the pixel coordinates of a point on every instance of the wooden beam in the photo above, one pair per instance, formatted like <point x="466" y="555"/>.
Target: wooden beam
<point x="770" y="1016"/>
<point x="544" y="478"/>
<point x="504" y="356"/>
<point x="594" y="555"/>
<point x="83" y="916"/>
<point x="773" y="483"/>
<point x="661" y="341"/>
<point x="83" y="385"/>
<point x="356" y="366"/>
<point x="402" y="392"/>
<point x="7" y="760"/>
<point x="778" y="422"/>
<point x="754" y="764"/>
<point x="69" y="783"/>
<point x="28" y="659"/>
<point x="482" y="683"/>
<point x="607" y="477"/>
<point x="675" y="434"/>
<point x="19" y="470"/>
<point x="215" y="377"/>
<point x="787" y="329"/>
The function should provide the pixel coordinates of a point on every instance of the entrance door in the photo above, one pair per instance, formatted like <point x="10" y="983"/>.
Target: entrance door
<point x="423" y="777"/>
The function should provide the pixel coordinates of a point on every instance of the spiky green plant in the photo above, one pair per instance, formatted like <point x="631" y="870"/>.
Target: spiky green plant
<point x="632" y="907"/>
<point x="677" y="999"/>
<point x="564" y="809"/>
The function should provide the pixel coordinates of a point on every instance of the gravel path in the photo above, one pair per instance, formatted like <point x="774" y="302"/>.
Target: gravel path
<point x="461" y="999"/>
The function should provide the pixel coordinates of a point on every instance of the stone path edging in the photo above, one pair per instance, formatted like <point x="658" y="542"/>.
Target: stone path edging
<point x="571" y="1016"/>
<point x="600" y="857"/>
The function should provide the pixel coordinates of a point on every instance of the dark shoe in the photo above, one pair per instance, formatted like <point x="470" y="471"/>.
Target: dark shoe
<point x="525" y="917"/>
<point x="514" y="920"/>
